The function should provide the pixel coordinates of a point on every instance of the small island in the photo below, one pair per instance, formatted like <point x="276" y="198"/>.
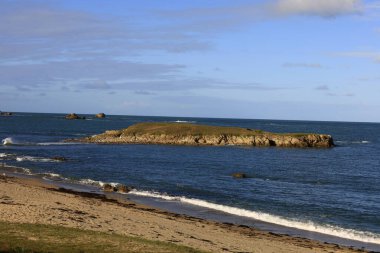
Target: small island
<point x="193" y="134"/>
<point x="5" y="113"/>
<point x="73" y="116"/>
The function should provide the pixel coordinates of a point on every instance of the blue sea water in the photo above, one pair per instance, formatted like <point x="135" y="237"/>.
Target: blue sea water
<point x="331" y="191"/>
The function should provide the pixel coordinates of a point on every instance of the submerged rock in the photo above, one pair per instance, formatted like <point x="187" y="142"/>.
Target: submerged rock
<point x="239" y="175"/>
<point x="100" y="115"/>
<point x="59" y="158"/>
<point x="108" y="188"/>
<point x="73" y="116"/>
<point x="123" y="188"/>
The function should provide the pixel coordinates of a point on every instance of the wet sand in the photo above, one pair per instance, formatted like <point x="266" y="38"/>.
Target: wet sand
<point x="30" y="200"/>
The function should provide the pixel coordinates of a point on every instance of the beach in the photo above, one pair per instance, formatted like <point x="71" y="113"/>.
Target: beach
<point x="31" y="200"/>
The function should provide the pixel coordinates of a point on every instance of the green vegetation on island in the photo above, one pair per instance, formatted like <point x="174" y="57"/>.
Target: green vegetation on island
<point x="194" y="134"/>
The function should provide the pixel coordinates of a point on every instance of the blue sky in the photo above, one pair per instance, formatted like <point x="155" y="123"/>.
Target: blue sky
<point x="275" y="59"/>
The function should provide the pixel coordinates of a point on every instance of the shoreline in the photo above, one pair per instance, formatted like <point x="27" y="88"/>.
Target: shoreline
<point x="33" y="203"/>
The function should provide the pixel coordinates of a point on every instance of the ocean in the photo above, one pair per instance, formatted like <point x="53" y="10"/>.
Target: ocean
<point x="326" y="194"/>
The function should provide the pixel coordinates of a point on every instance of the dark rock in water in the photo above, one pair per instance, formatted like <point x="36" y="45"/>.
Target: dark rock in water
<point x="123" y="188"/>
<point x="73" y="116"/>
<point x="6" y="114"/>
<point x="118" y="188"/>
<point x="100" y="115"/>
<point x="108" y="188"/>
<point x="59" y="158"/>
<point x="239" y="175"/>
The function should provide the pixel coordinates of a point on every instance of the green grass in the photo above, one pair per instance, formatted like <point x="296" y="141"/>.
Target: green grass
<point x="33" y="238"/>
<point x="187" y="129"/>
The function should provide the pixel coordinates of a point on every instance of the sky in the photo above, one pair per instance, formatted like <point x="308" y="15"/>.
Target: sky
<point x="273" y="59"/>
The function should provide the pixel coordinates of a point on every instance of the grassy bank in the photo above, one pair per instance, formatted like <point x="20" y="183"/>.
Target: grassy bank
<point x="47" y="238"/>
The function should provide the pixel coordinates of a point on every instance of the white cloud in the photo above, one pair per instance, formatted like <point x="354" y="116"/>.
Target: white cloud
<point x="302" y="65"/>
<point x="323" y="8"/>
<point x="375" y="56"/>
<point x="322" y="87"/>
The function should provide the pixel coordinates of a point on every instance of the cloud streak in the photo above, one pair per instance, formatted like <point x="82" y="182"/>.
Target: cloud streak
<point x="222" y="18"/>
<point x="36" y="32"/>
<point x="302" y="65"/>
<point x="374" y="56"/>
<point x="321" y="8"/>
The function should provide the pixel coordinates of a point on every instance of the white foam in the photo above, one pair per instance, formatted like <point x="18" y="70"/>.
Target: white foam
<point x="17" y="169"/>
<point x="96" y="183"/>
<point x="3" y="155"/>
<point x="33" y="159"/>
<point x="52" y="175"/>
<point x="354" y="142"/>
<point x="7" y="141"/>
<point x="350" y="234"/>
<point x="184" y="121"/>
<point x="56" y="143"/>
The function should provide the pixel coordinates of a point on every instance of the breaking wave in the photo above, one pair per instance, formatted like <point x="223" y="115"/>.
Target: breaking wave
<point x="34" y="159"/>
<point x="353" y="142"/>
<point x="4" y="155"/>
<point x="350" y="234"/>
<point x="88" y="181"/>
<point x="8" y="141"/>
<point x="184" y="121"/>
<point x="11" y="141"/>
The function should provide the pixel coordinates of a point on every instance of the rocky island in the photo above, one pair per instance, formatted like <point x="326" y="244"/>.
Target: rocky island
<point x="5" y="113"/>
<point x="73" y="116"/>
<point x="192" y="134"/>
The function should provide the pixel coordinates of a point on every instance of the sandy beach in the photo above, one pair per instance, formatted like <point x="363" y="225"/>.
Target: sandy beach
<point x="29" y="200"/>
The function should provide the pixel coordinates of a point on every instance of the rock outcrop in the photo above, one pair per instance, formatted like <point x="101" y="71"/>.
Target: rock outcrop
<point x="6" y="113"/>
<point x="59" y="158"/>
<point x="117" y="188"/>
<point x="239" y="175"/>
<point x="191" y="134"/>
<point x="73" y="116"/>
<point x="100" y="115"/>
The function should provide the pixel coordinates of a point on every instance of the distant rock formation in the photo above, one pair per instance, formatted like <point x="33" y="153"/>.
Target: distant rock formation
<point x="191" y="134"/>
<point x="6" y="113"/>
<point x="100" y="115"/>
<point x="73" y="116"/>
<point x="239" y="175"/>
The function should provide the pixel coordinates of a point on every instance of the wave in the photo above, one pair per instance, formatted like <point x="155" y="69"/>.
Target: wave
<point x="353" y="142"/>
<point x="88" y="181"/>
<point x="16" y="169"/>
<point x="34" y="159"/>
<point x="8" y="141"/>
<point x="4" y="155"/>
<point x="184" y="121"/>
<point x="52" y="176"/>
<point x="350" y="234"/>
<point x="56" y="143"/>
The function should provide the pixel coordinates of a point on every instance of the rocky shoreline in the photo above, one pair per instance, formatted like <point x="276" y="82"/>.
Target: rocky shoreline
<point x="191" y="134"/>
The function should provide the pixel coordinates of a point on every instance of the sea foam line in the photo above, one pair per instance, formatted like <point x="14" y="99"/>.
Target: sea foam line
<point x="34" y="159"/>
<point x="184" y="121"/>
<point x="350" y="234"/>
<point x="88" y="181"/>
